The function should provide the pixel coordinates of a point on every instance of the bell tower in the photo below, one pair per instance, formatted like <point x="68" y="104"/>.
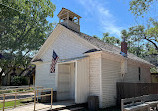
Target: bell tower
<point x="69" y="19"/>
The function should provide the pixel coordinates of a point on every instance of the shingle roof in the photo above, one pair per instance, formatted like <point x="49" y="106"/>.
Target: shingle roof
<point x="108" y="47"/>
<point x="36" y="60"/>
<point x="71" y="59"/>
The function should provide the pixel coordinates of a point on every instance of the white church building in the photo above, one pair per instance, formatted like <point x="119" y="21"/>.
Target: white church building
<point x="85" y="65"/>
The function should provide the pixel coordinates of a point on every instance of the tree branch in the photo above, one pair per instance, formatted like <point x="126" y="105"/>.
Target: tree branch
<point x="156" y="47"/>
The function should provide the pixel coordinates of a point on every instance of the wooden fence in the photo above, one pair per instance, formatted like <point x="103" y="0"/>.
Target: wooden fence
<point x="17" y="91"/>
<point x="128" y="90"/>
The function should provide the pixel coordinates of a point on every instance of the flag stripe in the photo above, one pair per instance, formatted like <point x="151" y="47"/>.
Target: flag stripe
<point x="54" y="61"/>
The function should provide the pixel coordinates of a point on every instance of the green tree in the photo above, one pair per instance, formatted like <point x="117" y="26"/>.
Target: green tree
<point x="96" y="37"/>
<point x="149" y="32"/>
<point x="111" y="39"/>
<point x="132" y="45"/>
<point x="139" y="7"/>
<point x="142" y="35"/>
<point x="141" y="41"/>
<point x="24" y="29"/>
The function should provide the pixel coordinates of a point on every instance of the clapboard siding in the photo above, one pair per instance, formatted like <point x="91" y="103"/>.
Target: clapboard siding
<point x="132" y="73"/>
<point x="145" y="74"/>
<point x="66" y="45"/>
<point x="43" y="77"/>
<point x="94" y="77"/>
<point x="110" y="75"/>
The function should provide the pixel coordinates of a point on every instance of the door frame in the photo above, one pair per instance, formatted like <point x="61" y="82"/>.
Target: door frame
<point x="75" y="72"/>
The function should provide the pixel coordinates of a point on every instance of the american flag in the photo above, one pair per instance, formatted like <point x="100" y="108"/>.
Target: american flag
<point x="54" y="61"/>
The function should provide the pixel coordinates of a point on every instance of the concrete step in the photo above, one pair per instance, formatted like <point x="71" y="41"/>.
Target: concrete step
<point x="73" y="109"/>
<point x="76" y="109"/>
<point x="64" y="110"/>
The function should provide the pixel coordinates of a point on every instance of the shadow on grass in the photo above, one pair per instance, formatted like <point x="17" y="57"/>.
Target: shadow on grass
<point x="114" y="108"/>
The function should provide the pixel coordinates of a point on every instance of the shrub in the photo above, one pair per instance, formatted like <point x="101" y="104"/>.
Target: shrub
<point x="19" y="80"/>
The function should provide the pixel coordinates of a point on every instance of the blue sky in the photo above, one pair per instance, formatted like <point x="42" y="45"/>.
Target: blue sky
<point x="99" y="16"/>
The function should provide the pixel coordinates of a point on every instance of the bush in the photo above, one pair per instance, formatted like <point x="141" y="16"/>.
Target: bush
<point x="19" y="80"/>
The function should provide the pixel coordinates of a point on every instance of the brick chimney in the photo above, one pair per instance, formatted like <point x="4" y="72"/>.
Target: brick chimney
<point x="123" y="48"/>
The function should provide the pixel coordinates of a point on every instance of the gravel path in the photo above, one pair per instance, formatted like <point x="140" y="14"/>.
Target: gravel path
<point x="42" y="107"/>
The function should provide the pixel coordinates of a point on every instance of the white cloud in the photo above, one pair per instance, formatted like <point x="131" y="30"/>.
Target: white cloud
<point x="106" y="20"/>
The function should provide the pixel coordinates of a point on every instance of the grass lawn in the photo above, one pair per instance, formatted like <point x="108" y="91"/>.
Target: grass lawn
<point x="11" y="104"/>
<point x="18" y="102"/>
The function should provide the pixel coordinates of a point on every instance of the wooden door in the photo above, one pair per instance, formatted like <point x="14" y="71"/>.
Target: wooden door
<point x="82" y="81"/>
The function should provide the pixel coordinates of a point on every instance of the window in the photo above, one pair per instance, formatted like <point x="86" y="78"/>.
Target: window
<point x="139" y="73"/>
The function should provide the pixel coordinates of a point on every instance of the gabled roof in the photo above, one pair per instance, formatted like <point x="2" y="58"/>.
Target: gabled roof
<point x="64" y="10"/>
<point x="109" y="48"/>
<point x="102" y="46"/>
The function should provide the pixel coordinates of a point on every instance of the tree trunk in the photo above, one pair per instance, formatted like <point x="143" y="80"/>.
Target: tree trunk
<point x="1" y="76"/>
<point x="23" y="71"/>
